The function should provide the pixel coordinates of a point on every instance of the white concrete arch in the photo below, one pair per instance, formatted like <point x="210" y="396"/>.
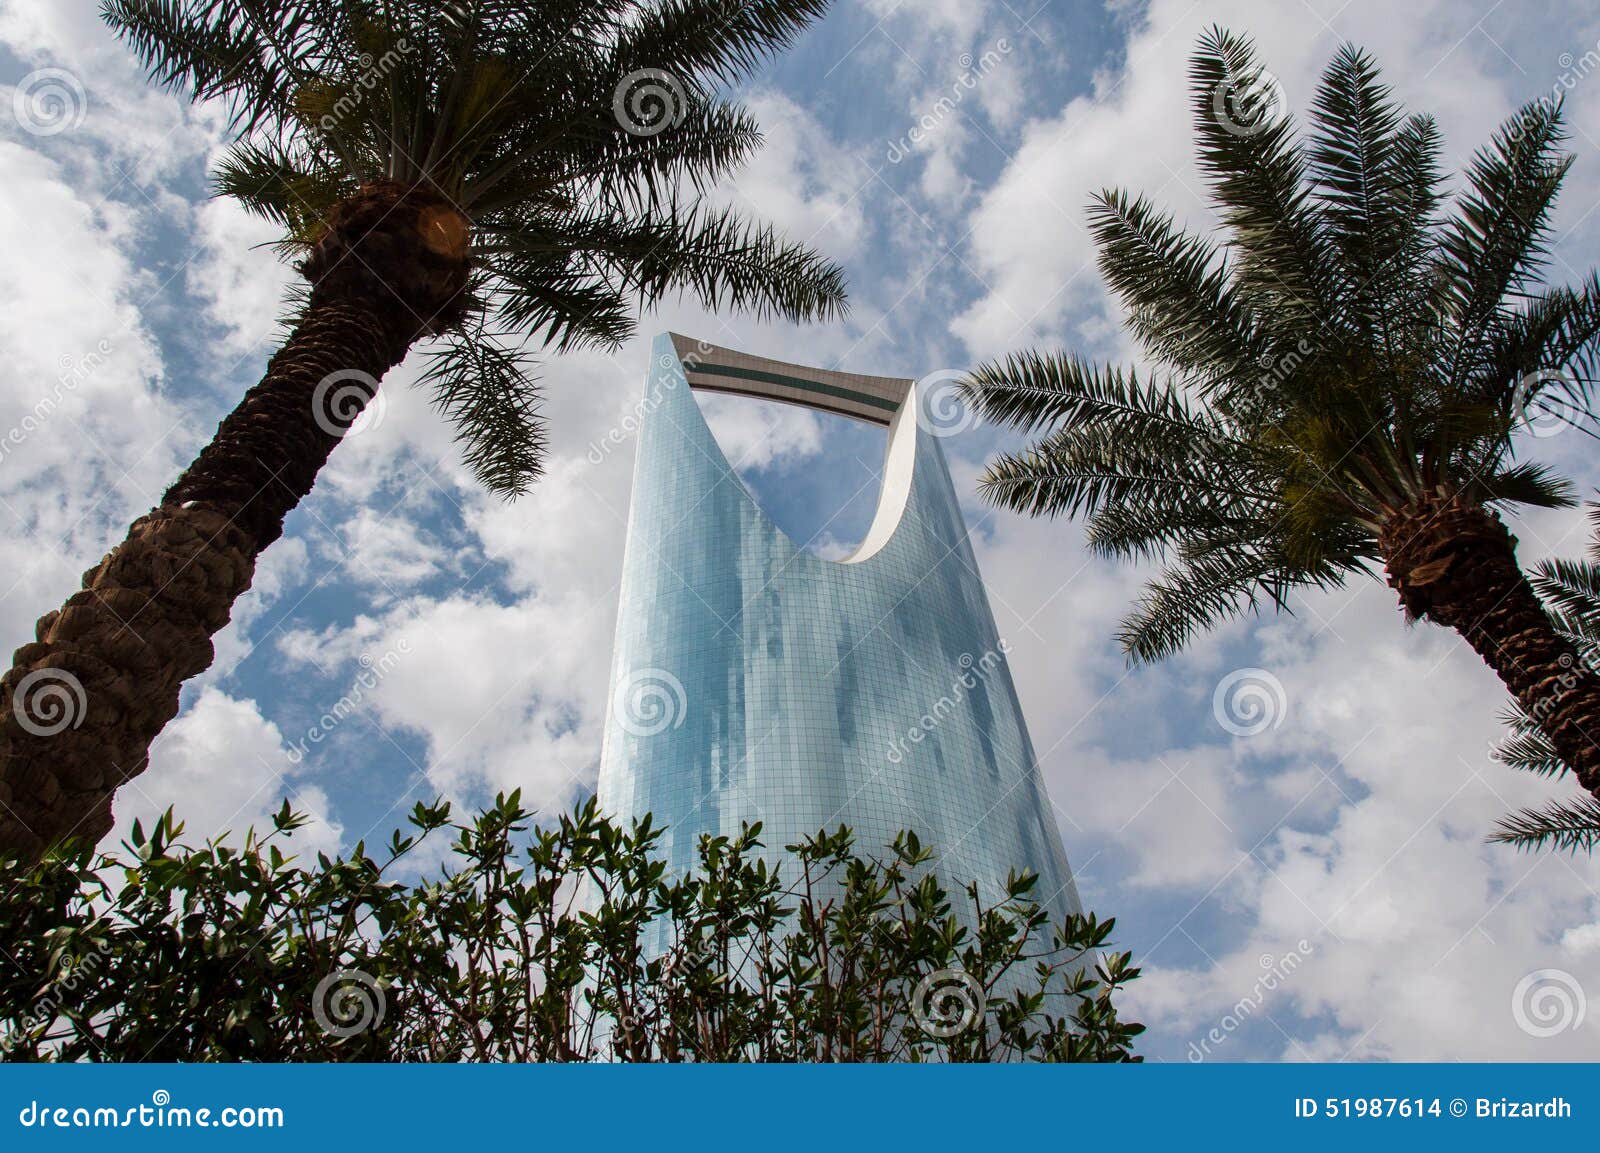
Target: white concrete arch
<point x="881" y="400"/>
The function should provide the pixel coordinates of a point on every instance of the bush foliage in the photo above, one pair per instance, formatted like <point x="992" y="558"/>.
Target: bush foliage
<point x="568" y="943"/>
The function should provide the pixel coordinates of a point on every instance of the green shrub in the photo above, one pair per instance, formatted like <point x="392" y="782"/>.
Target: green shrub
<point x="568" y="943"/>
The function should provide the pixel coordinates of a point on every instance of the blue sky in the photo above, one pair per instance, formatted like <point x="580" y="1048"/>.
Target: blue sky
<point x="1328" y="873"/>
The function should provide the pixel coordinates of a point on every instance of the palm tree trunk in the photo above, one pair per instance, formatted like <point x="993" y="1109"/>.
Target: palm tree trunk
<point x="82" y="703"/>
<point x="1455" y="563"/>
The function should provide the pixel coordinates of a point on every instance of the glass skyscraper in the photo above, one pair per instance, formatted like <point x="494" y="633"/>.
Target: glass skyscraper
<point x="754" y="680"/>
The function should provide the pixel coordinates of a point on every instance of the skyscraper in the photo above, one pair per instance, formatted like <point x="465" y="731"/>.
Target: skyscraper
<point x="754" y="680"/>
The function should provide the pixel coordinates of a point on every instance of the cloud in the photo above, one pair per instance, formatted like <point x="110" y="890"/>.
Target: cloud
<point x="225" y="768"/>
<point x="1355" y="822"/>
<point x="239" y="279"/>
<point x="504" y="696"/>
<point x="87" y="435"/>
<point x="756" y="436"/>
<point x="801" y="181"/>
<point x="1029" y="243"/>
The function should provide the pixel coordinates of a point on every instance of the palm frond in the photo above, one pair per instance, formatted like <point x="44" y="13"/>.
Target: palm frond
<point x="1202" y="591"/>
<point x="1547" y="350"/>
<point x="485" y="392"/>
<point x="1033" y="390"/>
<point x="1257" y="173"/>
<point x="1528" y="484"/>
<point x="215" y="50"/>
<point x="292" y="192"/>
<point x="1527" y="748"/>
<point x="519" y="113"/>
<point x="1180" y="298"/>
<point x="1377" y="188"/>
<point x="1571" y="826"/>
<point x="725" y="261"/>
<point x="1496" y="239"/>
<point x="1571" y="592"/>
<point x="718" y="40"/>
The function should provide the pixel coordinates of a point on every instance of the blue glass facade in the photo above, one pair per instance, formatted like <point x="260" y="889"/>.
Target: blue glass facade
<point x="754" y="680"/>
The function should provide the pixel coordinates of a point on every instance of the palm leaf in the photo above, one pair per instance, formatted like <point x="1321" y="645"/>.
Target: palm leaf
<point x="1571" y="826"/>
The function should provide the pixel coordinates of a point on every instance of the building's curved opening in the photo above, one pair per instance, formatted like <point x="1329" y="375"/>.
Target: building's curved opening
<point x="817" y="476"/>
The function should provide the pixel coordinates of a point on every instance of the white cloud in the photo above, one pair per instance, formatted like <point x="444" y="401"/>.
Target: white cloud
<point x="386" y="553"/>
<point x="801" y="181"/>
<point x="224" y="768"/>
<point x="1357" y="824"/>
<point x="1029" y="242"/>
<point x="88" y="437"/>
<point x="505" y="695"/>
<point x="756" y="435"/>
<point x="238" y="277"/>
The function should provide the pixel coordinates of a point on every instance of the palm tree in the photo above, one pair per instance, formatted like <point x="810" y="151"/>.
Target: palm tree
<point x="1571" y="593"/>
<point x="1337" y="383"/>
<point x="465" y="175"/>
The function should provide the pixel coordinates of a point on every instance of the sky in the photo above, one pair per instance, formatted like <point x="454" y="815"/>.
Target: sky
<point x="1307" y="882"/>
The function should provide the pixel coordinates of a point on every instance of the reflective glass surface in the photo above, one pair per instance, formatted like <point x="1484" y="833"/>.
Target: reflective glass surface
<point x="753" y="680"/>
